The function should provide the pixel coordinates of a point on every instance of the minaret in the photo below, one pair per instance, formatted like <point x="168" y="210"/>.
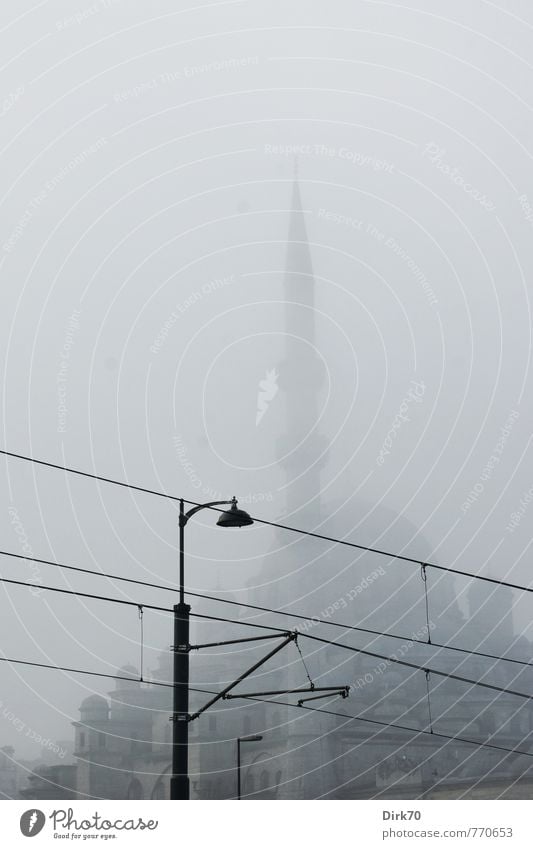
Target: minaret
<point x="301" y="375"/>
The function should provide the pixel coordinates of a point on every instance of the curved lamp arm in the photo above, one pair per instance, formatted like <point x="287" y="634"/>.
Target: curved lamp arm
<point x="184" y="517"/>
<point x="231" y="518"/>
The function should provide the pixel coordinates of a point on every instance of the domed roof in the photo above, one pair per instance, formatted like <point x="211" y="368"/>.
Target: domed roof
<point x="94" y="701"/>
<point x="94" y="708"/>
<point x="127" y="671"/>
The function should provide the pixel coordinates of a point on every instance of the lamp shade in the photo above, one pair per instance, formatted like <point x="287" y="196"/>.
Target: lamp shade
<point x="234" y="517"/>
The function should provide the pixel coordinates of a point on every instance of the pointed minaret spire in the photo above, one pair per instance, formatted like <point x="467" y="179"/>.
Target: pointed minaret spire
<point x="301" y="372"/>
<point x="299" y="279"/>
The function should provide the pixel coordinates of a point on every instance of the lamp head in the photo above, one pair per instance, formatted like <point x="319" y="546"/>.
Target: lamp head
<point x="234" y="517"/>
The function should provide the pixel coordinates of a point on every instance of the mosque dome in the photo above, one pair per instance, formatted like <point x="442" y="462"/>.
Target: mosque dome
<point x="94" y="709"/>
<point x="127" y="671"/>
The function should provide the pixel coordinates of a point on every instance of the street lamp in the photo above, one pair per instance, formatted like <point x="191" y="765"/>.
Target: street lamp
<point x="253" y="738"/>
<point x="179" y="782"/>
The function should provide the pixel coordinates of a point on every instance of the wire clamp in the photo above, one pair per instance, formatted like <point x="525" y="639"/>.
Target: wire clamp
<point x="182" y="648"/>
<point x="180" y="717"/>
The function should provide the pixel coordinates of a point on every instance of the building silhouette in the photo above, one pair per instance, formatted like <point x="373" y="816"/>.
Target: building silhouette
<point x="122" y="744"/>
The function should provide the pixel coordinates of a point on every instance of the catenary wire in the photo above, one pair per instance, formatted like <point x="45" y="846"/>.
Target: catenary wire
<point x="415" y="731"/>
<point x="302" y="532"/>
<point x="424" y="667"/>
<point x="137" y="604"/>
<point x="90" y="475"/>
<point x="366" y="652"/>
<point x="75" y="670"/>
<point x="306" y="617"/>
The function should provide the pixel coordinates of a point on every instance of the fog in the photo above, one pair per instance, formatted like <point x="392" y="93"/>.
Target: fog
<point x="152" y="333"/>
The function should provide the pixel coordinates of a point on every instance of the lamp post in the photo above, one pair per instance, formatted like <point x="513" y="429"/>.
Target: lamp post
<point x="252" y="738"/>
<point x="179" y="782"/>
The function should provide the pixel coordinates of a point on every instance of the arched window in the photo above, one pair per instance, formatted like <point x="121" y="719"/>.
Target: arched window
<point x="263" y="780"/>
<point x="250" y="783"/>
<point x="135" y="790"/>
<point x="159" y="790"/>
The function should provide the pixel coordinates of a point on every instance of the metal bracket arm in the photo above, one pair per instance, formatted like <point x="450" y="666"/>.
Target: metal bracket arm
<point x="290" y="638"/>
<point x="328" y="691"/>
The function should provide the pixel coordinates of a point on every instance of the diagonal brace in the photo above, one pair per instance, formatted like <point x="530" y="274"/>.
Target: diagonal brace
<point x="243" y="640"/>
<point x="290" y="638"/>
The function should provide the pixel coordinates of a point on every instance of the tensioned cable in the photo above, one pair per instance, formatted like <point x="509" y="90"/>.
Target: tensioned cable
<point x="425" y="580"/>
<point x="414" y="731"/>
<point x="89" y="475"/>
<point x="141" y="647"/>
<point x="257" y="520"/>
<point x="77" y="671"/>
<point x="237" y="622"/>
<point x="88" y="571"/>
<point x="86" y="595"/>
<point x="451" y="675"/>
<point x="304" y="663"/>
<point x="137" y="604"/>
<point x="427" y="672"/>
<point x="308" y="618"/>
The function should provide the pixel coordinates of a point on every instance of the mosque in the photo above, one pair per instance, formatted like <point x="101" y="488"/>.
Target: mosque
<point x="122" y="744"/>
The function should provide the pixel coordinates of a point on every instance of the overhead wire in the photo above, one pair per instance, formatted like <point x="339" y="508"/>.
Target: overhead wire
<point x="414" y="731"/>
<point x="78" y="671"/>
<point x="309" y="534"/>
<point x="424" y="667"/>
<point x="280" y="526"/>
<point x="409" y="664"/>
<point x="287" y="613"/>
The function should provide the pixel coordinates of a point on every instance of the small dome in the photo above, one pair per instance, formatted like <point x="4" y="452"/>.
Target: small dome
<point x="94" y="708"/>
<point x="94" y="701"/>
<point x="132" y="671"/>
<point x="127" y="671"/>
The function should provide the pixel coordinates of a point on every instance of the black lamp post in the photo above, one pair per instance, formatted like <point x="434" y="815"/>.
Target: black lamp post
<point x="179" y="782"/>
<point x="252" y="738"/>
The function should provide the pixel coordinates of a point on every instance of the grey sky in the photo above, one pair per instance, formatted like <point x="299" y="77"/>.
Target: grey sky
<point x="147" y="161"/>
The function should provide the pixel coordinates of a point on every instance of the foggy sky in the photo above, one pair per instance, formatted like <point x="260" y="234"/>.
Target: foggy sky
<point x="148" y="160"/>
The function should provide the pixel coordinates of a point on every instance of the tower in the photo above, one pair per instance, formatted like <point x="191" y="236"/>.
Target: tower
<point x="301" y="449"/>
<point x="317" y="755"/>
<point x="296" y="748"/>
